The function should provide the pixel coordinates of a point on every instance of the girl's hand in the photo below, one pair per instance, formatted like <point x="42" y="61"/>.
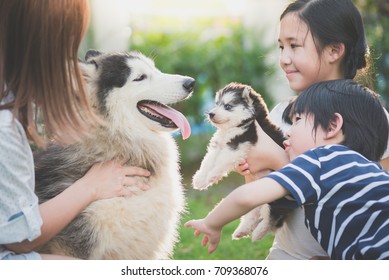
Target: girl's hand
<point x="211" y="236"/>
<point x="243" y="168"/>
<point x="266" y="154"/>
<point x="111" y="179"/>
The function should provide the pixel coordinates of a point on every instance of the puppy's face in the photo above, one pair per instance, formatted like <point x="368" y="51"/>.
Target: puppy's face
<point x="233" y="106"/>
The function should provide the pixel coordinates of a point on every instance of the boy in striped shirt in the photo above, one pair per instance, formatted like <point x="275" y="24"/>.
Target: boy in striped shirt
<point x="339" y="130"/>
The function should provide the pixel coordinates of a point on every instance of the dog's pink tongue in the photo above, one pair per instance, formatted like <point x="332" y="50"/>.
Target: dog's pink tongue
<point x="177" y="117"/>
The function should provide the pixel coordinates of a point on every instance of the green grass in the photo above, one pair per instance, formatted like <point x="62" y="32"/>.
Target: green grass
<point x="199" y="203"/>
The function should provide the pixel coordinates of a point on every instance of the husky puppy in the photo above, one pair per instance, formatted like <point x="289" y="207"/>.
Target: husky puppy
<point x="237" y="108"/>
<point x="132" y="97"/>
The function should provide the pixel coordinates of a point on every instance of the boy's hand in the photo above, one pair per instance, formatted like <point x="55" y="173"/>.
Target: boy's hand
<point x="211" y="236"/>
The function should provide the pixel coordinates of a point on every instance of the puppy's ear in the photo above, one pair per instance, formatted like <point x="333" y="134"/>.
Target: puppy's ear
<point x="246" y="96"/>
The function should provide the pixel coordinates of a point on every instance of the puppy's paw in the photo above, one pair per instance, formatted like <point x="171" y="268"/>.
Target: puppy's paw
<point x="199" y="181"/>
<point x="247" y="224"/>
<point x="264" y="225"/>
<point x="240" y="233"/>
<point x="261" y="231"/>
<point x="213" y="179"/>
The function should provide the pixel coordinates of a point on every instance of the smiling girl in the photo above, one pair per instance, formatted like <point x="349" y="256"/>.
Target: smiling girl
<point x="319" y="40"/>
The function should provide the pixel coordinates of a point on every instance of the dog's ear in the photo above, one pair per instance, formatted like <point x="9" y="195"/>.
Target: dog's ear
<point x="89" y="71"/>
<point x="246" y="96"/>
<point x="92" y="53"/>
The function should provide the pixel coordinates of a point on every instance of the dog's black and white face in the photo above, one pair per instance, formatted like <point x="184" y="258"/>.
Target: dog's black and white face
<point x="127" y="88"/>
<point x="234" y="106"/>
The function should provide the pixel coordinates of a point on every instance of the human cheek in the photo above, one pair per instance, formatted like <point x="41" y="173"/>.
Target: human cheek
<point x="306" y="72"/>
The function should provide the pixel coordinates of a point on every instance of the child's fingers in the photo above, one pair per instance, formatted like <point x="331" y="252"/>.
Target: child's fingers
<point x="205" y="240"/>
<point x="242" y="168"/>
<point x="242" y="162"/>
<point x="190" y="224"/>
<point x="197" y="232"/>
<point x="212" y="248"/>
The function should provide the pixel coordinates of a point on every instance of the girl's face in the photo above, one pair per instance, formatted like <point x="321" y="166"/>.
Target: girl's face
<point x="299" y="57"/>
<point x="301" y="136"/>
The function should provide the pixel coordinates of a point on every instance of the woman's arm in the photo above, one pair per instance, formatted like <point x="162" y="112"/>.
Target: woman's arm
<point x="236" y="204"/>
<point x="102" y="181"/>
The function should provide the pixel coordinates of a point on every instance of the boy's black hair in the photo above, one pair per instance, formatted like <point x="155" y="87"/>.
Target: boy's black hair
<point x="334" y="22"/>
<point x="365" y="124"/>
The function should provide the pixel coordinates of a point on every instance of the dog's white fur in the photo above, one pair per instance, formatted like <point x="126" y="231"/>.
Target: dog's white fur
<point x="143" y="226"/>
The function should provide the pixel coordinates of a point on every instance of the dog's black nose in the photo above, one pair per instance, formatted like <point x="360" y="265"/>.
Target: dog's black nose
<point x="189" y="84"/>
<point x="211" y="115"/>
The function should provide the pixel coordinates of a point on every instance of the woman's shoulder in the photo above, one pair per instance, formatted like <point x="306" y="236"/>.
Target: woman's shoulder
<point x="6" y="115"/>
<point x="6" y="118"/>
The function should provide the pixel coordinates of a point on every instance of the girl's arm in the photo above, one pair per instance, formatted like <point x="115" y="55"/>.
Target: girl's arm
<point x="385" y="163"/>
<point x="265" y="156"/>
<point x="236" y="204"/>
<point x="102" y="181"/>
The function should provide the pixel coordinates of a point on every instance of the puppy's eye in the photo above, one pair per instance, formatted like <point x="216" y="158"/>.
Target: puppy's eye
<point x="227" y="107"/>
<point x="140" y="78"/>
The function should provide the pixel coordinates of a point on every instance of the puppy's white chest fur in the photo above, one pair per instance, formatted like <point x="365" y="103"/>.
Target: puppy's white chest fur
<point x="224" y="153"/>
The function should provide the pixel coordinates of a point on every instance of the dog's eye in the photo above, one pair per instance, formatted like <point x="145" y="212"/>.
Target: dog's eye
<point x="140" y="78"/>
<point x="227" y="107"/>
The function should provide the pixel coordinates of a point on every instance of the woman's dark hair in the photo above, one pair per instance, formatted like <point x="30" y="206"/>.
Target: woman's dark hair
<point x="334" y="22"/>
<point x="365" y="125"/>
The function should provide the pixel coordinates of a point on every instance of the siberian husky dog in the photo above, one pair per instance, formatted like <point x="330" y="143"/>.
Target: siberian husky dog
<point x="237" y="108"/>
<point x="132" y="97"/>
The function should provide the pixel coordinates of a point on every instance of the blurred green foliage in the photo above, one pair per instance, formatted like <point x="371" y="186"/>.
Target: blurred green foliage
<point x="375" y="15"/>
<point x="212" y="59"/>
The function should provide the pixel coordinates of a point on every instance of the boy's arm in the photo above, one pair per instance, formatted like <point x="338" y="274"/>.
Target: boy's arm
<point x="243" y="199"/>
<point x="235" y="205"/>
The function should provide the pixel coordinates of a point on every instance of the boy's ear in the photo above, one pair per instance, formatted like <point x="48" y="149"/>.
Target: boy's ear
<point x="335" y="126"/>
<point x="335" y="52"/>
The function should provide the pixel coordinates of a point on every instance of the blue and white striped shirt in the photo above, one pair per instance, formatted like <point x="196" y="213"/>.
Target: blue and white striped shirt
<point x="345" y="198"/>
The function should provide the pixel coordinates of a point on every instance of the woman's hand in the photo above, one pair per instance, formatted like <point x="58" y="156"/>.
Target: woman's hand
<point x="211" y="236"/>
<point x="112" y="179"/>
<point x="103" y="180"/>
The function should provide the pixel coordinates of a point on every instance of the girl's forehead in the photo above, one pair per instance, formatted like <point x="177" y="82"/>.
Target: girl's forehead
<point x="292" y="27"/>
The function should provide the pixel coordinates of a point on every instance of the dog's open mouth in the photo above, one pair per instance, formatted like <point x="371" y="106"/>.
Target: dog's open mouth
<point x="165" y="115"/>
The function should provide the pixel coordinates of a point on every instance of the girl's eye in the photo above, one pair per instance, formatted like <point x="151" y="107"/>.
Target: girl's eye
<point x="228" y="107"/>
<point x="281" y="47"/>
<point x="140" y="78"/>
<point x="296" y="45"/>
